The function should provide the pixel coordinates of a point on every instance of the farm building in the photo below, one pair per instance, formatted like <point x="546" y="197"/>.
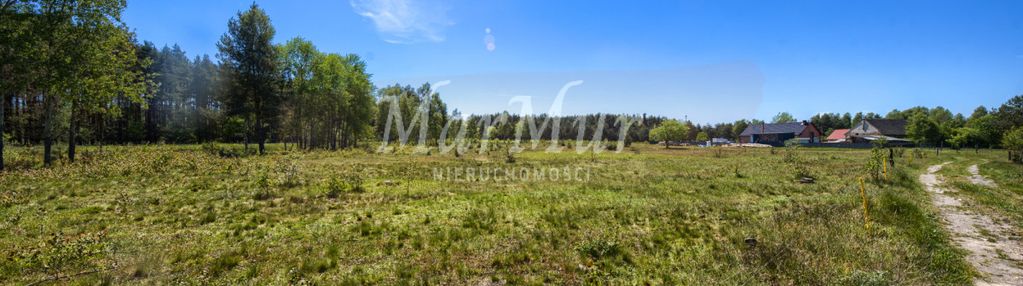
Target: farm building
<point x="776" y="134"/>
<point x="837" y="136"/>
<point x="717" y="141"/>
<point x="720" y="141"/>
<point x="869" y="130"/>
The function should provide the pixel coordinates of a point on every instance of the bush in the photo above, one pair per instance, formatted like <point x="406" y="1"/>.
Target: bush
<point x="345" y="184"/>
<point x="483" y="219"/>
<point x="601" y="250"/>
<point x="288" y="174"/>
<point x="69" y="253"/>
<point x="1013" y="141"/>
<point x="802" y="172"/>
<point x="874" y="165"/>
<point x="209" y="215"/>
<point x="790" y="156"/>
<point x="900" y="152"/>
<point x="225" y="263"/>
<point x="213" y="149"/>
<point x="262" y="195"/>
<point x="917" y="153"/>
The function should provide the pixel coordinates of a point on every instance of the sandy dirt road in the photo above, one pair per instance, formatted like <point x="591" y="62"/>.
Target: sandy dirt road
<point x="992" y="249"/>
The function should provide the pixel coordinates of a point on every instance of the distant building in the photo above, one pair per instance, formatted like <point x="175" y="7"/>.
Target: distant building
<point x="717" y="142"/>
<point x="776" y="134"/>
<point x="870" y="130"/>
<point x="837" y="136"/>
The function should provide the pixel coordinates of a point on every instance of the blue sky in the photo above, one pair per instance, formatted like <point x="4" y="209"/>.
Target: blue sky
<point x="709" y="61"/>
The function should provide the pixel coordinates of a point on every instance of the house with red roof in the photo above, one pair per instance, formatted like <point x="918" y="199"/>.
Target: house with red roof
<point x="837" y="136"/>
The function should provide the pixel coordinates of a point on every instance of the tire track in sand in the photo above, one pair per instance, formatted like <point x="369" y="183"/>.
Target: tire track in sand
<point x="991" y="252"/>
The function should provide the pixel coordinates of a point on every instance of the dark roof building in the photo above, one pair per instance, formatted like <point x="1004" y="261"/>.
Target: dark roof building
<point x="777" y="133"/>
<point x="890" y="129"/>
<point x="886" y="127"/>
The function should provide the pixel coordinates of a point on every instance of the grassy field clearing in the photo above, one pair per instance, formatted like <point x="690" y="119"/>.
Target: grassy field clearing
<point x="161" y="214"/>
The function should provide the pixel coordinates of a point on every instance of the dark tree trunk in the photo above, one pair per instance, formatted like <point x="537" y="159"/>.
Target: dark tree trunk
<point x="72" y="135"/>
<point x="48" y="105"/>
<point x="307" y="136"/>
<point x="102" y="131"/>
<point x="312" y="138"/>
<point x="245" y="136"/>
<point x="2" y="107"/>
<point x="260" y="134"/>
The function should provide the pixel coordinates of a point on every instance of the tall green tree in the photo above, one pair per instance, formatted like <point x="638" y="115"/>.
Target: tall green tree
<point x="173" y="107"/>
<point x="921" y="129"/>
<point x="1013" y="141"/>
<point x="361" y="103"/>
<point x="987" y="129"/>
<point x="738" y="127"/>
<point x="334" y="93"/>
<point x="298" y="58"/>
<point x="670" y="130"/>
<point x="857" y="119"/>
<point x="15" y="49"/>
<point x="75" y="54"/>
<point x="437" y="111"/>
<point x="702" y="136"/>
<point x="1010" y="114"/>
<point x="247" y="51"/>
<point x="106" y="71"/>
<point x="978" y="112"/>
<point x="783" y="117"/>
<point x="423" y="106"/>
<point x="203" y="93"/>
<point x="330" y="78"/>
<point x="847" y="121"/>
<point x="962" y="137"/>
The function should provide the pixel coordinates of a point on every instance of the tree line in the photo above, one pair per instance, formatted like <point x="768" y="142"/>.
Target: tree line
<point x="65" y="64"/>
<point x="983" y="128"/>
<point x="72" y="71"/>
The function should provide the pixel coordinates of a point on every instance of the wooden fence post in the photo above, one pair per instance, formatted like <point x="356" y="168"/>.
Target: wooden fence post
<point x="866" y="213"/>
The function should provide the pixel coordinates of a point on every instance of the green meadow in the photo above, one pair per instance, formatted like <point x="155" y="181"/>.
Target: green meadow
<point x="195" y="214"/>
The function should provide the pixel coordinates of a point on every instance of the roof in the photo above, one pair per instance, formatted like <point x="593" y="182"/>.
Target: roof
<point x="837" y="134"/>
<point x="773" y="128"/>
<point x="889" y="127"/>
<point x="886" y="138"/>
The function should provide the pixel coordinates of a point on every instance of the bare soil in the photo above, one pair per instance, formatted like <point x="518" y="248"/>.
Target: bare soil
<point x="977" y="179"/>
<point x="993" y="250"/>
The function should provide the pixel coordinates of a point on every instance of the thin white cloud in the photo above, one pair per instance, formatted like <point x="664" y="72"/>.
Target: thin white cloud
<point x="405" y="21"/>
